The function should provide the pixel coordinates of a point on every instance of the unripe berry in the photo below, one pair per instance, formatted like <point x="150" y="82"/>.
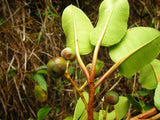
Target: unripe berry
<point x="99" y="66"/>
<point x="56" y="67"/>
<point x="112" y="97"/>
<point x="68" y="54"/>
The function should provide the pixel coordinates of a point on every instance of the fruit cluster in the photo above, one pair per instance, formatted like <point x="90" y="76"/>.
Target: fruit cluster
<point x="56" y="67"/>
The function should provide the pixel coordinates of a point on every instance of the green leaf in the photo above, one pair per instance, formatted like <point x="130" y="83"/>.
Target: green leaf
<point x="99" y="66"/>
<point x="43" y="67"/>
<point x="43" y="72"/>
<point x="112" y="23"/>
<point x="40" y="80"/>
<point x="147" y="107"/>
<point x="157" y="97"/>
<point x="68" y="118"/>
<point x="80" y="107"/>
<point x="110" y="116"/>
<point x="98" y="88"/>
<point x="143" y="93"/>
<point x="150" y="74"/>
<point x="42" y="113"/>
<point x="101" y="113"/>
<point x="139" y="47"/>
<point x="84" y="116"/>
<point x="121" y="107"/>
<point x="40" y="93"/>
<point x="77" y="25"/>
<point x="95" y="115"/>
<point x="134" y="102"/>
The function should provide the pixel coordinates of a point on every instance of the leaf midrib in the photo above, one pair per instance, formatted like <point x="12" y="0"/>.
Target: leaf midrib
<point x="155" y="72"/>
<point x="134" y="51"/>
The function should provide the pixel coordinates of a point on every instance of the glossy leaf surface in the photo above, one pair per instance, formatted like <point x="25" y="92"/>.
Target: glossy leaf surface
<point x="112" y="23"/>
<point x="150" y="75"/>
<point x="77" y="26"/>
<point x="139" y="47"/>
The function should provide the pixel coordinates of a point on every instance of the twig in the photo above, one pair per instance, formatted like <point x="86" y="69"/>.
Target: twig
<point x="77" y="3"/>
<point x="24" y="27"/>
<point x="155" y="117"/>
<point x="146" y="114"/>
<point x="10" y="64"/>
<point x="18" y="93"/>
<point x="116" y="83"/>
<point x="3" y="102"/>
<point x="75" y="86"/>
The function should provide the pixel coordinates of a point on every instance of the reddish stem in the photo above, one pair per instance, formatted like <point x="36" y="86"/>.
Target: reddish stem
<point x="146" y="114"/>
<point x="91" y="101"/>
<point x="77" y="88"/>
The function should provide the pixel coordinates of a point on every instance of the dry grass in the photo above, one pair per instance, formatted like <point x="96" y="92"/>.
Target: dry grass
<point x="31" y="34"/>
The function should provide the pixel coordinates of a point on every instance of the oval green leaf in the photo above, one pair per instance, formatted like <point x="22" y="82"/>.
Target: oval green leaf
<point x="99" y="66"/>
<point x="112" y="23"/>
<point x="40" y="94"/>
<point x="43" y="67"/>
<point x="77" y="26"/>
<point x="134" y="102"/>
<point x="43" y="72"/>
<point x="68" y="118"/>
<point x="40" y="80"/>
<point x="84" y="116"/>
<point x="139" y="47"/>
<point x="121" y="107"/>
<point x="150" y="74"/>
<point x="157" y="97"/>
<point x="80" y="107"/>
<point x="110" y="115"/>
<point x="42" y="113"/>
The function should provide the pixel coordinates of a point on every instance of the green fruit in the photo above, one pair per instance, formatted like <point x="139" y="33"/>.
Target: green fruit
<point x="56" y="67"/>
<point x="99" y="66"/>
<point x="112" y="97"/>
<point x="68" y="54"/>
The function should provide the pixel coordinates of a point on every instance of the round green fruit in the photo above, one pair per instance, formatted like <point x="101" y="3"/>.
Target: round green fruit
<point x="112" y="97"/>
<point x="56" y="67"/>
<point x="68" y="54"/>
<point x="99" y="66"/>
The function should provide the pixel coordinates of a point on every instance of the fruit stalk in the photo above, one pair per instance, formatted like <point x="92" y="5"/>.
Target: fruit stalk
<point x="79" y="90"/>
